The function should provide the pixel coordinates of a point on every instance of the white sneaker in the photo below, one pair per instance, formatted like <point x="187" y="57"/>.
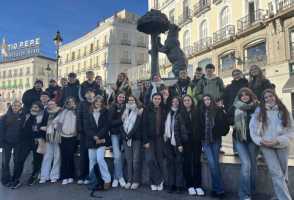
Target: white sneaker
<point x="70" y="180"/>
<point x="80" y="182"/>
<point x="192" y="191"/>
<point x="64" y="182"/>
<point x="115" y="183"/>
<point x="248" y="198"/>
<point x="135" y="186"/>
<point x="160" y="186"/>
<point x="122" y="182"/>
<point x="200" y="191"/>
<point x="86" y="182"/>
<point x="153" y="187"/>
<point x="42" y="181"/>
<point x="128" y="186"/>
<point x="53" y="180"/>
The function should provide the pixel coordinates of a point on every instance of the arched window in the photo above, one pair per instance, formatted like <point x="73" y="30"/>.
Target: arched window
<point x="203" y="29"/>
<point x="185" y="8"/>
<point x="224" y="17"/>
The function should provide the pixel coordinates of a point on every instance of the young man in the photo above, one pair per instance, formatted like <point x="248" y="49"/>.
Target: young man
<point x="71" y="89"/>
<point x="210" y="84"/>
<point x="54" y="90"/>
<point x="88" y="84"/>
<point x="32" y="95"/>
<point x="182" y="86"/>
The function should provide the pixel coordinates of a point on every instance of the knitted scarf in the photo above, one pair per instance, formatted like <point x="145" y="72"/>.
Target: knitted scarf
<point x="169" y="132"/>
<point x="129" y="119"/>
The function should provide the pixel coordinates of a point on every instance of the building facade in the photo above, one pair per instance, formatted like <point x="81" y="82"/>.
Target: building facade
<point x="18" y="76"/>
<point x="112" y="47"/>
<point x="235" y="34"/>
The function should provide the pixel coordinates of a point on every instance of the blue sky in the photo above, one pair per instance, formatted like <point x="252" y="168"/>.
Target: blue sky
<point x="27" y="19"/>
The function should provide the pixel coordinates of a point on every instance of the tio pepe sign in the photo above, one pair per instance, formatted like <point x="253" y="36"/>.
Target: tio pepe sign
<point x="24" y="44"/>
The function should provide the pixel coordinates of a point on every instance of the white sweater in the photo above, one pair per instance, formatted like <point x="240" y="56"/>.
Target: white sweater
<point x="274" y="129"/>
<point x="68" y="121"/>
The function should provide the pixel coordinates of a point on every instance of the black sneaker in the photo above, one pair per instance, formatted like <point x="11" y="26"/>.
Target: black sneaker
<point x="32" y="181"/>
<point x="7" y="184"/>
<point x="15" y="184"/>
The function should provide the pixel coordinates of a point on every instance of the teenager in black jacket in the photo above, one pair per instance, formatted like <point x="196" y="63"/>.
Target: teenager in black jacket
<point x="212" y="124"/>
<point x="96" y="122"/>
<point x="174" y="148"/>
<point x="153" y="130"/>
<point x="12" y="139"/>
<point x="115" y="126"/>
<point x="132" y="141"/>
<point x="190" y="141"/>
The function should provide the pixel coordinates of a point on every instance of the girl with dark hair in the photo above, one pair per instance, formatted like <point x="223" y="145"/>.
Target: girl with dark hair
<point x="67" y="123"/>
<point x="96" y="122"/>
<point x="244" y="105"/>
<point x="174" y="148"/>
<point x="153" y="130"/>
<point x="122" y="85"/>
<point x="271" y="128"/>
<point x="191" y="143"/>
<point x="132" y="140"/>
<point x="12" y="139"/>
<point x="257" y="81"/>
<point x="213" y="124"/>
<point x="115" y="126"/>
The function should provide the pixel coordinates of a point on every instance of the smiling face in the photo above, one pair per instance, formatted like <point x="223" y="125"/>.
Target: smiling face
<point x="156" y="100"/>
<point x="51" y="105"/>
<point x="245" y="97"/>
<point x="35" y="108"/>
<point x="70" y="103"/>
<point x="121" y="98"/>
<point x="16" y="107"/>
<point x="98" y="103"/>
<point x="269" y="98"/>
<point x="187" y="101"/>
<point x="207" y="101"/>
<point x="175" y="103"/>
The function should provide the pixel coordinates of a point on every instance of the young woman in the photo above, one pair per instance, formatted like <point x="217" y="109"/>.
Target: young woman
<point x="257" y="81"/>
<point x="153" y="130"/>
<point x="174" y="149"/>
<point x="49" y="123"/>
<point x="271" y="128"/>
<point x="12" y="139"/>
<point x="96" y="122"/>
<point x="244" y="106"/>
<point x="115" y="126"/>
<point x="36" y="139"/>
<point x="132" y="140"/>
<point x="67" y="122"/>
<point x="122" y="85"/>
<point x="191" y="144"/>
<point x="212" y="123"/>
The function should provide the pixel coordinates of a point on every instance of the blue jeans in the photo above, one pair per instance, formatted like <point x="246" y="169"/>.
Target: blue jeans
<point x="118" y="168"/>
<point x="247" y="154"/>
<point x="212" y="153"/>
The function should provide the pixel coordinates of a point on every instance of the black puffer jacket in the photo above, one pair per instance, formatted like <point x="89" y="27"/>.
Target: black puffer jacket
<point x="93" y="129"/>
<point x="221" y="124"/>
<point x="136" y="132"/>
<point x="149" y="123"/>
<point x="11" y="129"/>
<point x="29" y="97"/>
<point x="114" y="118"/>
<point x="70" y="90"/>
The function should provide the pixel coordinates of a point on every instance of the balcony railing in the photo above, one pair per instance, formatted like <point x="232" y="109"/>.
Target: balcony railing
<point x="250" y="20"/>
<point x="125" y="42"/>
<point x="201" y="7"/>
<point x="260" y="61"/>
<point x="189" y="50"/>
<point x="285" y="4"/>
<point x="216" y="1"/>
<point x="202" y="44"/>
<point x="187" y="16"/>
<point x="125" y="61"/>
<point x="224" y="33"/>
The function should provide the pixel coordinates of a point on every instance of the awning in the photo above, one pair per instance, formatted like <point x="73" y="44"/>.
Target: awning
<point x="289" y="86"/>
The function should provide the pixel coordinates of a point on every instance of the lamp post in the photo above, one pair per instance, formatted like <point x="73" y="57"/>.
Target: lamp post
<point x="58" y="41"/>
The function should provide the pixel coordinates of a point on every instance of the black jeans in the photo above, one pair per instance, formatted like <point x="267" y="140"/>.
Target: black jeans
<point x="67" y="147"/>
<point x="192" y="164"/>
<point x="154" y="159"/>
<point x="84" y="158"/>
<point x="174" y="160"/>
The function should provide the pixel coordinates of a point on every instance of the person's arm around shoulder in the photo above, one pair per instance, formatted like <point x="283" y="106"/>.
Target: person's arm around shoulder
<point x="255" y="128"/>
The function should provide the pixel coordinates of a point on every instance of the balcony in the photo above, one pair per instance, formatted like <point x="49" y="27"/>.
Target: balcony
<point x="224" y="34"/>
<point x="163" y="4"/>
<point x="260" y="61"/>
<point x="201" y="7"/>
<point x="125" y="61"/>
<point x="202" y="44"/>
<point x="284" y="5"/>
<point x="141" y="44"/>
<point x="189" y="50"/>
<point x="185" y="18"/>
<point x="125" y="42"/>
<point x="216" y="1"/>
<point x="251" y="21"/>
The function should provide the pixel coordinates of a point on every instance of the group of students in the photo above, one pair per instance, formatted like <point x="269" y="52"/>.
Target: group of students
<point x="169" y="127"/>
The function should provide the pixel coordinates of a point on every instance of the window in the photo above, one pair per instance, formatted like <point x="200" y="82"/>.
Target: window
<point x="85" y="51"/>
<point x="203" y="29"/>
<point x="186" y="42"/>
<point x="292" y="43"/>
<point x="224" y="17"/>
<point x="204" y="62"/>
<point x="97" y="44"/>
<point x="28" y="71"/>
<point x="227" y="61"/>
<point x="20" y="72"/>
<point x="172" y="16"/>
<point x="256" y="52"/>
<point x="97" y="61"/>
<point x="73" y="57"/>
<point x="90" y="63"/>
<point x="79" y="53"/>
<point x="91" y="47"/>
<point x="185" y="9"/>
<point x="15" y="72"/>
<point x="67" y="57"/>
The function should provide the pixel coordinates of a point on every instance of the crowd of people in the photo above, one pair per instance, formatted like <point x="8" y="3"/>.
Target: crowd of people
<point x="167" y="126"/>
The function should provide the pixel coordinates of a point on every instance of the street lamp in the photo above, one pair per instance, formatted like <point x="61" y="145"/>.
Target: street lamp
<point x="58" y="41"/>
